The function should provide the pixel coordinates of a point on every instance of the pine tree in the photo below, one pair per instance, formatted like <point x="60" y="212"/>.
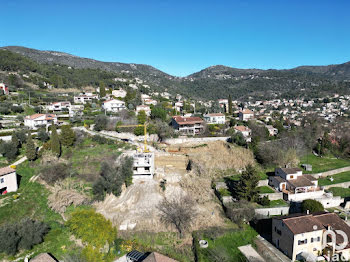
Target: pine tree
<point x="55" y="142"/>
<point x="246" y="187"/>
<point x="230" y="104"/>
<point x="67" y="135"/>
<point x="102" y="89"/>
<point x="141" y="117"/>
<point x="30" y="148"/>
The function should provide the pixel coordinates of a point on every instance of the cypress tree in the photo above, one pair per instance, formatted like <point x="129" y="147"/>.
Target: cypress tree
<point x="55" y="142"/>
<point x="67" y="135"/>
<point x="30" y="148"/>
<point x="230" y="104"/>
<point x="102" y="89"/>
<point x="15" y="140"/>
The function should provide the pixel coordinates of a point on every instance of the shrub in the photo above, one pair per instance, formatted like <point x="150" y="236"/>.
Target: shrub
<point x="239" y="212"/>
<point x="53" y="173"/>
<point x="42" y="135"/>
<point x="9" y="150"/>
<point x="100" y="122"/>
<point x="92" y="228"/>
<point x="311" y="205"/>
<point x="67" y="135"/>
<point x="21" y="235"/>
<point x="102" y="140"/>
<point x="264" y="201"/>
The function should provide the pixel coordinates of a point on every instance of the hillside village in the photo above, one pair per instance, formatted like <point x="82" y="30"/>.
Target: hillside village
<point x="116" y="170"/>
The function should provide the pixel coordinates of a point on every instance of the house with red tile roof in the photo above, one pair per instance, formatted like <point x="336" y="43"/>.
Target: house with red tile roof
<point x="245" y="115"/>
<point x="40" y="120"/>
<point x="188" y="125"/>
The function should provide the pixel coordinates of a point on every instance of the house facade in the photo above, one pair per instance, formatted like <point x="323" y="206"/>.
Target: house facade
<point x="113" y="105"/>
<point x="245" y="131"/>
<point x="84" y="98"/>
<point x="298" y="187"/>
<point x="308" y="235"/>
<point x="143" y="165"/>
<point x="8" y="180"/>
<point x="59" y="106"/>
<point x="40" y="120"/>
<point x="145" y="108"/>
<point x="119" y="93"/>
<point x="214" y="118"/>
<point x="187" y="125"/>
<point x="246" y="115"/>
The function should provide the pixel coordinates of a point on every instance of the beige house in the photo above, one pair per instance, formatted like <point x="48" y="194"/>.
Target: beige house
<point x="246" y="115"/>
<point x="8" y="180"/>
<point x="305" y="235"/>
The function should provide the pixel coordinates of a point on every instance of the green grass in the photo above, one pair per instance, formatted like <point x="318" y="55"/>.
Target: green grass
<point x="322" y="164"/>
<point x="166" y="243"/>
<point x="32" y="203"/>
<point x="225" y="247"/>
<point x="265" y="190"/>
<point x="224" y="192"/>
<point x="278" y="203"/>
<point x="339" y="191"/>
<point x="338" y="178"/>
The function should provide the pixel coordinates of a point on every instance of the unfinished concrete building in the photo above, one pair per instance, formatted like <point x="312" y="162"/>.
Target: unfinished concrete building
<point x="143" y="165"/>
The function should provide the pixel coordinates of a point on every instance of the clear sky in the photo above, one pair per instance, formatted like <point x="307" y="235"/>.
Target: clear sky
<point x="184" y="36"/>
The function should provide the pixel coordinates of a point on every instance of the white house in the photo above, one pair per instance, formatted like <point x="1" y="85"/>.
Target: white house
<point x="145" y="108"/>
<point x="272" y="131"/>
<point x="8" y="180"/>
<point x="246" y="114"/>
<point x="40" y="120"/>
<point x="245" y="131"/>
<point x="214" y="118"/>
<point x="76" y="110"/>
<point x="113" y="105"/>
<point x="178" y="106"/>
<point x="119" y="93"/>
<point x="4" y="88"/>
<point x="223" y="104"/>
<point x="59" y="106"/>
<point x="84" y="98"/>
<point x="150" y="102"/>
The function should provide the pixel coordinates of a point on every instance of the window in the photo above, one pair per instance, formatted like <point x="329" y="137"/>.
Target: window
<point x="1" y="180"/>
<point x="302" y="242"/>
<point x="312" y="240"/>
<point x="318" y="239"/>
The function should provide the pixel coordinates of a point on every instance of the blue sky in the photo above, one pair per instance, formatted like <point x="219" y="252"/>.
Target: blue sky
<point x="181" y="37"/>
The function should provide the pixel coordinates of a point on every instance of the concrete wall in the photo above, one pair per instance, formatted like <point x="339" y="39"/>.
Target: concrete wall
<point x="332" y="172"/>
<point x="264" y="182"/>
<point x="308" y="195"/>
<point x="273" y="211"/>
<point x="273" y="196"/>
<point x="344" y="185"/>
<point x="181" y="140"/>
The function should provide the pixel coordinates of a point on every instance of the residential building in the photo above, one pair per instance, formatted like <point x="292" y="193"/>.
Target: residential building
<point x="178" y="106"/>
<point x="150" y="102"/>
<point x="43" y="257"/>
<point x="113" y="105"/>
<point x="119" y="93"/>
<point x="272" y="131"/>
<point x="245" y="131"/>
<point x="4" y="89"/>
<point x="59" y="106"/>
<point x="76" y="110"/>
<point x="187" y="125"/>
<point x="214" y="118"/>
<point x="143" y="165"/>
<point x="8" y="180"/>
<point x="302" y="235"/>
<point x="145" y="108"/>
<point x="40" y="120"/>
<point x="223" y="104"/>
<point x="297" y="187"/>
<point x="84" y="98"/>
<point x="246" y="115"/>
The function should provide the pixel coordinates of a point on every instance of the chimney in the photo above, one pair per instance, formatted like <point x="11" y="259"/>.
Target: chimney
<point x="308" y="212"/>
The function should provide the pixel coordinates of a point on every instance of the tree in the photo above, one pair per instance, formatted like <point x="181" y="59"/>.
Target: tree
<point x="158" y="112"/>
<point x="112" y="177"/>
<point x="53" y="173"/>
<point x="141" y="117"/>
<point x="92" y="228"/>
<point x="230" y="104"/>
<point x="55" y="142"/>
<point x="311" y="205"/>
<point x="240" y="211"/>
<point x="178" y="212"/>
<point x="15" y="140"/>
<point x="43" y="135"/>
<point x="9" y="150"/>
<point x="30" y="148"/>
<point x="238" y="139"/>
<point x="22" y="136"/>
<point x="67" y="135"/>
<point x="102" y="89"/>
<point x="246" y="187"/>
<point x="100" y="122"/>
<point x="21" y="235"/>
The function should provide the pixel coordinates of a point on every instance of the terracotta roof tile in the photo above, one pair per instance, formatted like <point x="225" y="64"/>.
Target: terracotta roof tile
<point x="6" y="170"/>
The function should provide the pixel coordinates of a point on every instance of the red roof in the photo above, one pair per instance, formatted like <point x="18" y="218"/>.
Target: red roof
<point x="47" y="116"/>
<point x="247" y="111"/>
<point x="242" y="128"/>
<point x="188" y="120"/>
